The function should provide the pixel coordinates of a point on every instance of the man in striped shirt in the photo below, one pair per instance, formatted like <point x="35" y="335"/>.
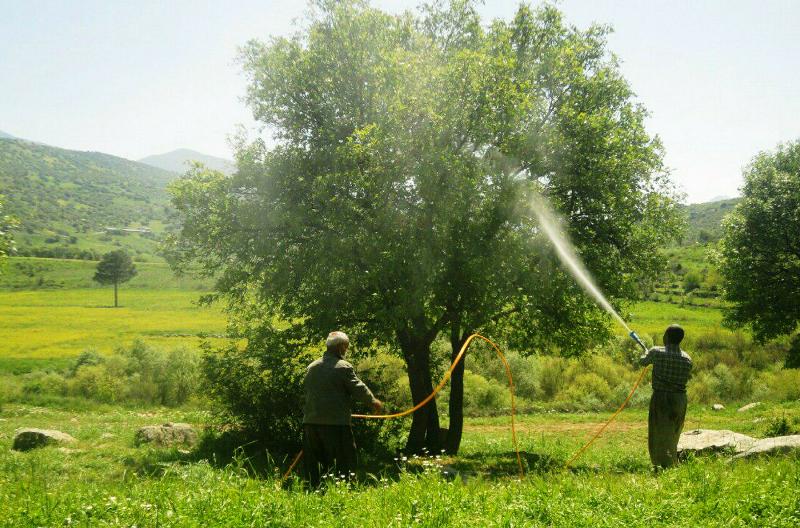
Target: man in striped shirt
<point x="671" y="370"/>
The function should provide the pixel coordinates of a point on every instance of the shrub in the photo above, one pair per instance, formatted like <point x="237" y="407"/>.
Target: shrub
<point x="96" y="383"/>
<point x="588" y="390"/>
<point x="793" y="354"/>
<point x="260" y="388"/>
<point x="551" y="377"/>
<point x="691" y="282"/>
<point x="781" y="426"/>
<point x="701" y="388"/>
<point x="482" y="396"/>
<point x="780" y="386"/>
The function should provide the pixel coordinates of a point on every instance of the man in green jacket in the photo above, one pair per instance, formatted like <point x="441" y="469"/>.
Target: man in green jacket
<point x="330" y="386"/>
<point x="671" y="370"/>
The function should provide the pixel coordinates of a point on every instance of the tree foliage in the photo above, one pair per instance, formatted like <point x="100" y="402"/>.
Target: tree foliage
<point x="116" y="267"/>
<point x="760" y="251"/>
<point x="395" y="202"/>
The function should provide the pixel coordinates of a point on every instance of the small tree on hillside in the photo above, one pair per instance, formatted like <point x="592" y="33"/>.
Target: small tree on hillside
<point x="114" y="268"/>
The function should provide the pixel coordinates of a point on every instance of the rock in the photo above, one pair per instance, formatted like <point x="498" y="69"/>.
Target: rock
<point x="718" y="407"/>
<point x="169" y="434"/>
<point x="27" y="439"/>
<point x="749" y="406"/>
<point x="706" y="441"/>
<point x="772" y="446"/>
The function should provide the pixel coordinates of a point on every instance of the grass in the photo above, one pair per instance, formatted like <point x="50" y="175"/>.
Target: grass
<point x="31" y="273"/>
<point x="652" y="318"/>
<point x="105" y="481"/>
<point x="53" y="324"/>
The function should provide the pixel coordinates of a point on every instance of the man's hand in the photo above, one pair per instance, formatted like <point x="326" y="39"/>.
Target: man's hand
<point x="377" y="406"/>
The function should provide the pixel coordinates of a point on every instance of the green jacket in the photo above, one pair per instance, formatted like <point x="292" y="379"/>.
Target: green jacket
<point x="330" y="386"/>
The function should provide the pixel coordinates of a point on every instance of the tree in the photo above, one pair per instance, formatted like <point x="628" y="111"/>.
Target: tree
<point x="395" y="203"/>
<point x="7" y="224"/>
<point x="760" y="250"/>
<point x="115" y="268"/>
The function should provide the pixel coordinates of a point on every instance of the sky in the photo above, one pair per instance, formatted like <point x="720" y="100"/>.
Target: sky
<point x="720" y="78"/>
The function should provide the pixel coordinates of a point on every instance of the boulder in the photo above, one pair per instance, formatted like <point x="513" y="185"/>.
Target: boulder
<point x="707" y="441"/>
<point x="718" y="407"/>
<point x="772" y="446"/>
<point x="749" y="406"/>
<point x="27" y="439"/>
<point x="169" y="434"/>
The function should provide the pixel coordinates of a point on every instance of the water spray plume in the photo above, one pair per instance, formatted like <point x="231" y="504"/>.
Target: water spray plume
<point x="549" y="223"/>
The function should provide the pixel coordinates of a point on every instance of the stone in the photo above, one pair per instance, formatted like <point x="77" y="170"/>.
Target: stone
<point x="27" y="439"/>
<point x="749" y="406"/>
<point x="772" y="446"/>
<point x="718" y="407"/>
<point x="707" y="441"/>
<point x="169" y="434"/>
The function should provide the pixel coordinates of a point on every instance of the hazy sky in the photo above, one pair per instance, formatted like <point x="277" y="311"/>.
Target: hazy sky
<point x="133" y="78"/>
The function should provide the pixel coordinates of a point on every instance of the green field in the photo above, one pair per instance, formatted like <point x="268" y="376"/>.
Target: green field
<point x="52" y="310"/>
<point x="50" y="324"/>
<point x="30" y="273"/>
<point x="105" y="481"/>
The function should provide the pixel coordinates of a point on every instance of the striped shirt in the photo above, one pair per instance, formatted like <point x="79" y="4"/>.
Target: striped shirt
<point x="671" y="368"/>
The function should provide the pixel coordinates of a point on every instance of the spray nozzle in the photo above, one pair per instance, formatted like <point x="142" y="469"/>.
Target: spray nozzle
<point x="638" y="340"/>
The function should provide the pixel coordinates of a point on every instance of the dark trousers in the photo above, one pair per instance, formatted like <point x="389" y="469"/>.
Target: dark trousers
<point x="664" y="426"/>
<point x="328" y="449"/>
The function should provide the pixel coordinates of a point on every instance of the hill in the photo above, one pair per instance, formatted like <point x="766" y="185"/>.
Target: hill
<point x="6" y="135"/>
<point x="178" y="161"/>
<point x="78" y="204"/>
<point x="705" y="220"/>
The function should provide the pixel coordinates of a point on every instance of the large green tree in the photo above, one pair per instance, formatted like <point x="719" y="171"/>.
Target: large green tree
<point x="760" y="250"/>
<point x="115" y="268"/>
<point x="395" y="200"/>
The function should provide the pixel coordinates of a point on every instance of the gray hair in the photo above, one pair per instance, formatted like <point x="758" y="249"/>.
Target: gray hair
<point x="336" y="339"/>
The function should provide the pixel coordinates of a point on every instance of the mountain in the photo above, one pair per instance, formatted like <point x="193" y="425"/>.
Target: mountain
<point x="6" y="135"/>
<point x="79" y="204"/>
<point x="178" y="161"/>
<point x="705" y="220"/>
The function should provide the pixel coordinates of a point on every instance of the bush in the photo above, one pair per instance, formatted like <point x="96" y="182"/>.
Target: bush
<point x="793" y="354"/>
<point x="94" y="382"/>
<point x="588" y="389"/>
<point x="780" y="386"/>
<point x="551" y="376"/>
<point x="482" y="397"/>
<point x="260" y="388"/>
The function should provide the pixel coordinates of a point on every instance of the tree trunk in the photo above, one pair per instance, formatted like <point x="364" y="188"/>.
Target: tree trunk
<point x="115" y="295"/>
<point x="424" y="433"/>
<point x="456" y="405"/>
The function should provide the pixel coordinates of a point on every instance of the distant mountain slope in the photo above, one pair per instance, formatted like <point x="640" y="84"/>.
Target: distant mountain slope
<point x="6" y="135"/>
<point x="705" y="220"/>
<point x="178" y="161"/>
<point x="66" y="199"/>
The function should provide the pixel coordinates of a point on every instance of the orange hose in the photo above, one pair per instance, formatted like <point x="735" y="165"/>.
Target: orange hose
<point x="613" y="416"/>
<point x="439" y="387"/>
<point x="292" y="465"/>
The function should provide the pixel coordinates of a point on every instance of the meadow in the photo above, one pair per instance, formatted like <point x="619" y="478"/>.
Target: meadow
<point x="52" y="311"/>
<point x="105" y="481"/>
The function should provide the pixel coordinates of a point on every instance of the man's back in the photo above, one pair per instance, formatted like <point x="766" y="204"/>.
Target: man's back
<point x="672" y="368"/>
<point x="330" y="386"/>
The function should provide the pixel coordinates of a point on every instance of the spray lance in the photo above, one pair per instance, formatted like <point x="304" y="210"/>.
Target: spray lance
<point x="633" y="335"/>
